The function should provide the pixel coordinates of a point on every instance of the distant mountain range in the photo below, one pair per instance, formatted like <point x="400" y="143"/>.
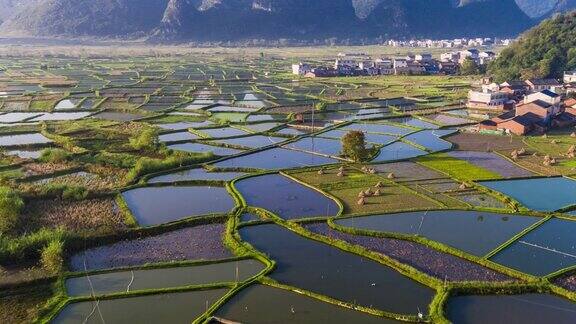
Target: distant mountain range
<point x="225" y="20"/>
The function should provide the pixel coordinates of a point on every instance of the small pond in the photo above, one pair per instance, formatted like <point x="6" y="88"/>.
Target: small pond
<point x="255" y="141"/>
<point x="67" y="104"/>
<point x="379" y="129"/>
<point x="285" y="197"/>
<point x="122" y="281"/>
<point x="117" y="116"/>
<point x="185" y="125"/>
<point x="61" y="116"/>
<point x="24" y="139"/>
<point x="157" y="205"/>
<point x="474" y="232"/>
<point x="262" y="127"/>
<point x="398" y="151"/>
<point x="196" y="174"/>
<point x="182" y="307"/>
<point x="521" y="309"/>
<point x="542" y="194"/>
<point x="430" y="140"/>
<point x="230" y="109"/>
<point x="203" y="148"/>
<point x="223" y="132"/>
<point x="275" y="159"/>
<point x="414" y="122"/>
<point x="317" y="145"/>
<point x="174" y="137"/>
<point x="546" y="249"/>
<point x="264" y="304"/>
<point x="324" y="269"/>
<point x="16" y="117"/>
<point x="24" y="154"/>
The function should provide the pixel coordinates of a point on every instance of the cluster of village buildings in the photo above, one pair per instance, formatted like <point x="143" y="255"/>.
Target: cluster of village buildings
<point x="530" y="106"/>
<point x="450" y="43"/>
<point x="363" y="65"/>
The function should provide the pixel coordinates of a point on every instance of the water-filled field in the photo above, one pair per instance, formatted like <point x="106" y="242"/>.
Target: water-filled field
<point x="544" y="194"/>
<point x="156" y="278"/>
<point x="285" y="197"/>
<point x="327" y="270"/>
<point x="180" y="202"/>
<point x="529" y="308"/>
<point x="474" y="232"/>
<point x="264" y="304"/>
<point x="546" y="249"/>
<point x="181" y="307"/>
<point x="211" y="187"/>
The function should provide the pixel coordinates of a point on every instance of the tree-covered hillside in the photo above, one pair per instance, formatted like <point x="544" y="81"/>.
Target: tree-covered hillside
<point x="546" y="50"/>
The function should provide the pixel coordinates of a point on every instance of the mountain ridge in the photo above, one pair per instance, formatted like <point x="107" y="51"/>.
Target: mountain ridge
<point x="225" y="20"/>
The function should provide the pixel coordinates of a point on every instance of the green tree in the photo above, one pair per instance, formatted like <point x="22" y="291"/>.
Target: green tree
<point x="354" y="146"/>
<point x="10" y="208"/>
<point x="469" y="67"/>
<point x="146" y="140"/>
<point x="545" y="51"/>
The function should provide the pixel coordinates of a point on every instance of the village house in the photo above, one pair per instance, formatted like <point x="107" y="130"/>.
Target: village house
<point x="490" y="100"/>
<point x="569" y="77"/>
<point x="424" y="57"/>
<point x="448" y="67"/>
<point x="486" y="57"/>
<point x="516" y="89"/>
<point x="450" y="57"/>
<point x="546" y="96"/>
<point x="570" y="103"/>
<point x="470" y="53"/>
<point x="536" y="85"/>
<point x="301" y="69"/>
<point x="321" y="72"/>
<point x="536" y="113"/>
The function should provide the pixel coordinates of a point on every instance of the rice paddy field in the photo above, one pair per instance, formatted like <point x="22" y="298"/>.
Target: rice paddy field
<point x="211" y="187"/>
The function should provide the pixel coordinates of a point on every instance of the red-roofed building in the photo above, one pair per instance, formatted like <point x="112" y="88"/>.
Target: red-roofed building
<point x="570" y="103"/>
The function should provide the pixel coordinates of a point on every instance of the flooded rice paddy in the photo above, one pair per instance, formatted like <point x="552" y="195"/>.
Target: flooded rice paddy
<point x="474" y="232"/>
<point x="285" y="197"/>
<point x="203" y="148"/>
<point x="543" y="194"/>
<point x="546" y="249"/>
<point x="264" y="304"/>
<point x="341" y="275"/>
<point x="24" y="139"/>
<point x="195" y="174"/>
<point x="181" y="307"/>
<point x="276" y="159"/>
<point x="149" y="279"/>
<point x="179" y="203"/>
<point x="525" y="309"/>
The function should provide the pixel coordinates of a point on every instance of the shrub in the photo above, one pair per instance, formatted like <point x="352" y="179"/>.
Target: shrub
<point x="354" y="146"/>
<point x="75" y="193"/>
<point x="64" y="191"/>
<point x="146" y="140"/>
<point x="54" y="155"/>
<point x="10" y="207"/>
<point x="27" y="246"/>
<point x="147" y="165"/>
<point x="51" y="257"/>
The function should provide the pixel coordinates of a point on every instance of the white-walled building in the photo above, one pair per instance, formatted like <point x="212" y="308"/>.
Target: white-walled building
<point x="301" y="69"/>
<point x="569" y="77"/>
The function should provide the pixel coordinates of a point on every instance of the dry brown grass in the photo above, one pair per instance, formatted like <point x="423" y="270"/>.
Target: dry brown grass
<point x="91" y="215"/>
